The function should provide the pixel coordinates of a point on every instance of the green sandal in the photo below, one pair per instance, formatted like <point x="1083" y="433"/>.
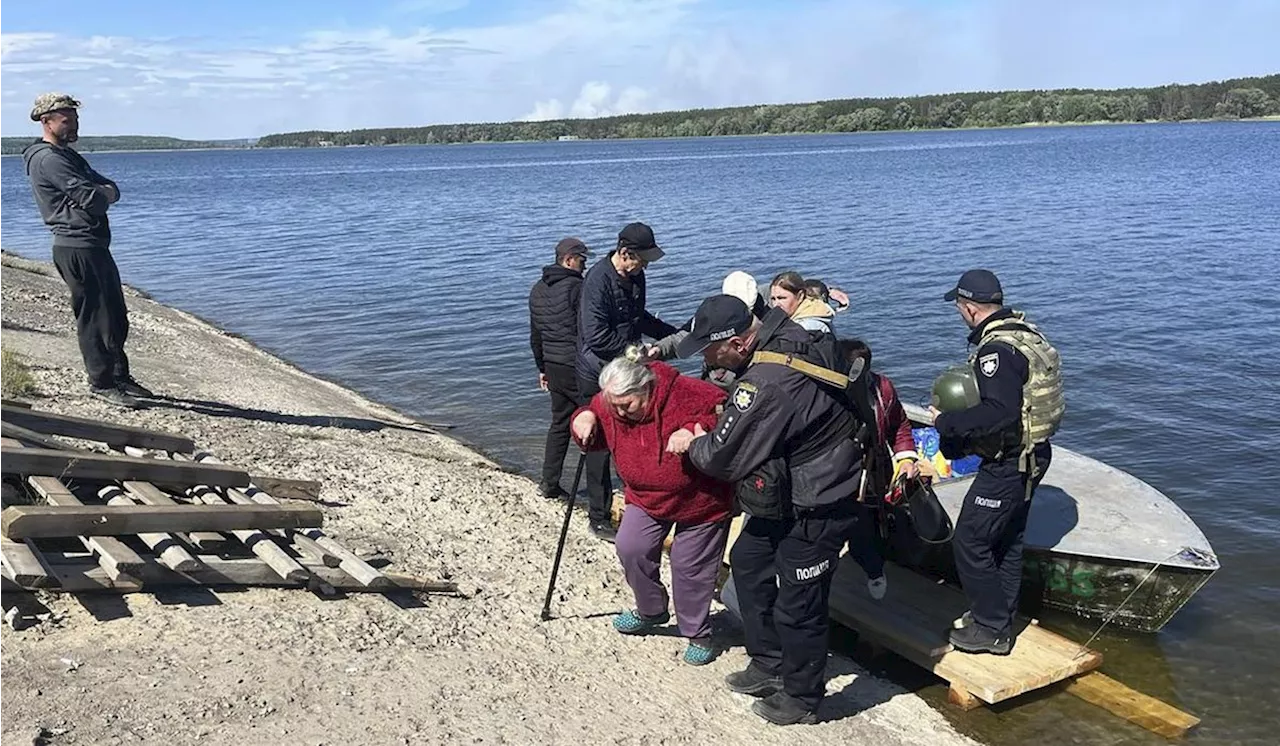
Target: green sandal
<point x="698" y="654"/>
<point x="633" y="623"/>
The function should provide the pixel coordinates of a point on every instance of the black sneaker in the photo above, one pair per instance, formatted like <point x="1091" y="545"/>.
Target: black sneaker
<point x="754" y="681"/>
<point x="781" y="708"/>
<point x="604" y="531"/>
<point x="131" y="387"/>
<point x="976" y="638"/>
<point x="115" y="396"/>
<point x="552" y="492"/>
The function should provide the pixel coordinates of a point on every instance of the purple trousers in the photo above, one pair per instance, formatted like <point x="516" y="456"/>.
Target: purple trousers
<point x="696" y="555"/>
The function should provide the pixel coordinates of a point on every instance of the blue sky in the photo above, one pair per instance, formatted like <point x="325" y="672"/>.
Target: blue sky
<point x="241" y="68"/>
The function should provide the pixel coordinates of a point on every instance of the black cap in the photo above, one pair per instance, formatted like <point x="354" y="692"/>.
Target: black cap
<point x="978" y="285"/>
<point x="720" y="317"/>
<point x="638" y="238"/>
<point x="571" y="247"/>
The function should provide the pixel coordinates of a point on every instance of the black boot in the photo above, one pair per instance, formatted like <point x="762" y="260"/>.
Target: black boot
<point x="754" y="681"/>
<point x="604" y="531"/>
<point x="781" y="708"/>
<point x="115" y="396"/>
<point x="131" y="387"/>
<point x="977" y="638"/>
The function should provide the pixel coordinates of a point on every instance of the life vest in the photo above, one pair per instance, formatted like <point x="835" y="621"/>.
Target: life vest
<point x="1043" y="401"/>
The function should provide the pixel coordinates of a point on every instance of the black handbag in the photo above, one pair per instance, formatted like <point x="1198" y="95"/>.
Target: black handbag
<point x="928" y="518"/>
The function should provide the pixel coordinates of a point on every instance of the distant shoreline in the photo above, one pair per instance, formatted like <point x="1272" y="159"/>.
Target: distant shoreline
<point x="1027" y="125"/>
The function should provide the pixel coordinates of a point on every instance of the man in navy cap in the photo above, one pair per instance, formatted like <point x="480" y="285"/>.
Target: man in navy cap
<point x="611" y="316"/>
<point x="787" y="438"/>
<point x="1021" y="404"/>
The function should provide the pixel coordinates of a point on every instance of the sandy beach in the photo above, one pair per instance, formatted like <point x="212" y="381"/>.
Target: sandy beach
<point x="288" y="667"/>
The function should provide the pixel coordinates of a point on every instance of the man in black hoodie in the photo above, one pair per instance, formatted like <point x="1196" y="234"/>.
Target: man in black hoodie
<point x="553" y="335"/>
<point x="73" y="201"/>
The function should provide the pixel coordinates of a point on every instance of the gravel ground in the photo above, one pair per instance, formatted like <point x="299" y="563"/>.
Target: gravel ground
<point x="266" y="666"/>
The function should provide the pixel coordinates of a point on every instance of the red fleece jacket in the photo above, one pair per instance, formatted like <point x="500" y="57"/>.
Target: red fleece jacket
<point x="665" y="485"/>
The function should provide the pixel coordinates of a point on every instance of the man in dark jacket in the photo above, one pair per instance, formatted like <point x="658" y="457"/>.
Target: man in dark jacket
<point x="553" y="335"/>
<point x="611" y="316"/>
<point x="786" y="437"/>
<point x="73" y="201"/>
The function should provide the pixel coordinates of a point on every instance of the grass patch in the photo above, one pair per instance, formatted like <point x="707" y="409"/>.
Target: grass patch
<point x="15" y="376"/>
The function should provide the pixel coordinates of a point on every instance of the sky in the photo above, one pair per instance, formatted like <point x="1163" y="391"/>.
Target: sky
<point x="245" y="68"/>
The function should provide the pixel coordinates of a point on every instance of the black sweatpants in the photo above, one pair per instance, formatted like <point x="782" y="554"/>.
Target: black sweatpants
<point x="102" y="320"/>
<point x="562" y="384"/>
<point x="782" y="572"/>
<point x="598" y="476"/>
<point x="988" y="541"/>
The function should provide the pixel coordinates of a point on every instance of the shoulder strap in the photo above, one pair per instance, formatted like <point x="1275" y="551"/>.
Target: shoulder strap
<point x="826" y="375"/>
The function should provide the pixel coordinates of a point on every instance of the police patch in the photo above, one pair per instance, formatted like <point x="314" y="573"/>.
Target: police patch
<point x="989" y="364"/>
<point x="744" y="396"/>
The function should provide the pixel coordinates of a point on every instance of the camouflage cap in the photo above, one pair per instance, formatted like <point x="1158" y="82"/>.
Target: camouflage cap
<point x="47" y="102"/>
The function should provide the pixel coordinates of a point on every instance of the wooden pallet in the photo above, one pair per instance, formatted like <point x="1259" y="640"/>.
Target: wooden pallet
<point x="914" y="620"/>
<point x="145" y="520"/>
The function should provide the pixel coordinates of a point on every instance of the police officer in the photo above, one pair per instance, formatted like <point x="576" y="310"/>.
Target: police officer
<point x="1021" y="403"/>
<point x="787" y="439"/>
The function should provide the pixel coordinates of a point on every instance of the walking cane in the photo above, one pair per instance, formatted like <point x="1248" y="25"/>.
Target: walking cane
<point x="564" y="533"/>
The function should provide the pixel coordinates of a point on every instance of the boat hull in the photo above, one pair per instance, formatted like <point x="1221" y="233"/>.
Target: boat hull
<point x="1134" y="595"/>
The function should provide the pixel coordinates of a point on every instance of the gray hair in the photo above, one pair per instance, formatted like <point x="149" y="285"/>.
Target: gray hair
<point x="624" y="377"/>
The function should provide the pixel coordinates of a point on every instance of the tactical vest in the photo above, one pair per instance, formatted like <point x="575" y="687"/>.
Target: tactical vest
<point x="1043" y="402"/>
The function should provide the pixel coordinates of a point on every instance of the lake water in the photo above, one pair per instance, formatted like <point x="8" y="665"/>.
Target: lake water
<point x="1148" y="253"/>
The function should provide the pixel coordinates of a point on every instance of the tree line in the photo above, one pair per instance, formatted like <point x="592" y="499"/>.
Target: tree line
<point x="91" y="143"/>
<point x="1240" y="98"/>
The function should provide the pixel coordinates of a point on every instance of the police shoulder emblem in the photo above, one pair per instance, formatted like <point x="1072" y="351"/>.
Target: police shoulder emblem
<point x="744" y="396"/>
<point x="989" y="364"/>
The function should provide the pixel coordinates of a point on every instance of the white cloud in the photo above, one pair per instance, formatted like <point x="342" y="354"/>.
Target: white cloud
<point x="584" y="58"/>
<point x="595" y="99"/>
<point x="428" y="7"/>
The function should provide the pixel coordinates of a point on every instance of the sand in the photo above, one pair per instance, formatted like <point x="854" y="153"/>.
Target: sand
<point x="264" y="666"/>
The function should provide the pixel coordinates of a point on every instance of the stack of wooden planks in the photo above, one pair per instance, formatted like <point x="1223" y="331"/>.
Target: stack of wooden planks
<point x="154" y="513"/>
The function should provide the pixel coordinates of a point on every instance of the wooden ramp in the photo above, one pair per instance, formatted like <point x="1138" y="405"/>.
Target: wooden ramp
<point x="914" y="620"/>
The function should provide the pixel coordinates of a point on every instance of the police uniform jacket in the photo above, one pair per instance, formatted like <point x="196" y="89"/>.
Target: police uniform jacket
<point x="777" y="412"/>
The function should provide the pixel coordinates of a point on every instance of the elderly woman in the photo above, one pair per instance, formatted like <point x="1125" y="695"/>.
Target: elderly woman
<point x="639" y="407"/>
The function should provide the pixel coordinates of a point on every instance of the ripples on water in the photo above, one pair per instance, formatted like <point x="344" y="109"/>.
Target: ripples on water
<point x="1148" y="253"/>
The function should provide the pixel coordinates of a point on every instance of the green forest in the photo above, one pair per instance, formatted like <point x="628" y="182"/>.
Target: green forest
<point x="1241" y="98"/>
<point x="88" y="144"/>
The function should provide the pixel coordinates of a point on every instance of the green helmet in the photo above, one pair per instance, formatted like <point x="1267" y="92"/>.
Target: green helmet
<point x="955" y="389"/>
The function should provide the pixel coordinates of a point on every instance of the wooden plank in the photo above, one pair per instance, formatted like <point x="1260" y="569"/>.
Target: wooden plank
<point x="149" y="494"/>
<point x="258" y="542"/>
<point x="349" y="562"/>
<point x="219" y="572"/>
<point x="962" y="699"/>
<point x="37" y="521"/>
<point x="23" y="564"/>
<point x="168" y="549"/>
<point x="914" y="620"/>
<point x="110" y="467"/>
<point x="31" y="438"/>
<point x="288" y="489"/>
<point x="110" y="433"/>
<point x="1136" y="707"/>
<point x="114" y="555"/>
<point x="88" y="578"/>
